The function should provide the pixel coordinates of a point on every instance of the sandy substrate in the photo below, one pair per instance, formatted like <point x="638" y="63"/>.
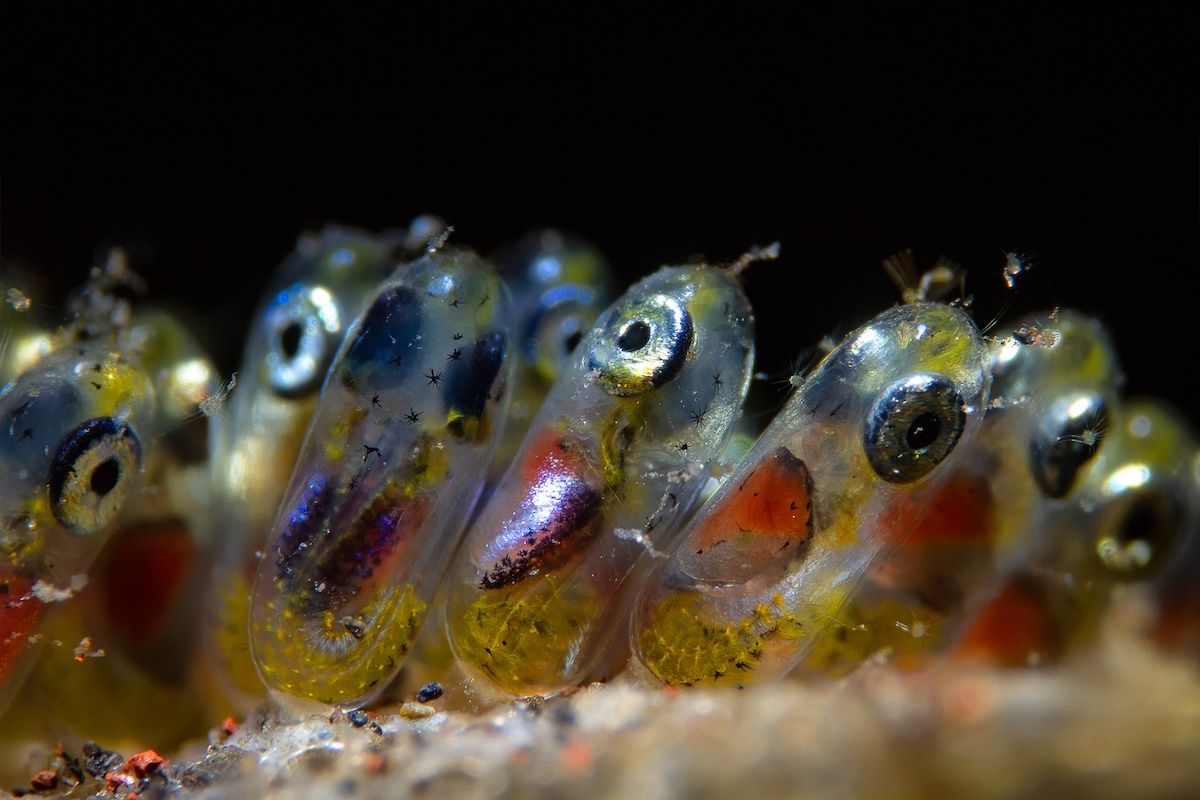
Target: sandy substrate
<point x="1122" y="720"/>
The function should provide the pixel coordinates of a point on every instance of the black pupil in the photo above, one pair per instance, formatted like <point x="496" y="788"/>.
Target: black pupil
<point x="924" y="431"/>
<point x="634" y="337"/>
<point x="105" y="477"/>
<point x="289" y="339"/>
<point x="570" y="343"/>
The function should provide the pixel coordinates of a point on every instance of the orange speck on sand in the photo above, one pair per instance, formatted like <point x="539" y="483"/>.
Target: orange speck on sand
<point x="577" y="755"/>
<point x="145" y="763"/>
<point x="375" y="763"/>
<point x="44" y="781"/>
<point x="969" y="699"/>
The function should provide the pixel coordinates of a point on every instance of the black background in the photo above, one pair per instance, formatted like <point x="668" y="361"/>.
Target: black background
<point x="206" y="144"/>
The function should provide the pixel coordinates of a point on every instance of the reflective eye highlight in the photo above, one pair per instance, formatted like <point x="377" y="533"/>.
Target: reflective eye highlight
<point x="302" y="327"/>
<point x="1143" y="537"/>
<point x="913" y="427"/>
<point x="91" y="474"/>
<point x="1067" y="439"/>
<point x="642" y="345"/>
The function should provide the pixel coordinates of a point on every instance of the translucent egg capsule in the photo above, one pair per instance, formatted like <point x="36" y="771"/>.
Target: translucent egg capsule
<point x="1054" y="400"/>
<point x="1176" y="624"/>
<point x="560" y="285"/>
<point x="263" y="413"/>
<point x="315" y="294"/>
<point x="840" y="477"/>
<point x="388" y="474"/>
<point x="611" y="462"/>
<point x="139" y="609"/>
<point x="165" y="527"/>
<point x="74" y="432"/>
<point x="1137" y="510"/>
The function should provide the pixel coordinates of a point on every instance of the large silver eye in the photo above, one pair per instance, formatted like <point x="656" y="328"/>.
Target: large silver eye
<point x="303" y="328"/>
<point x="642" y="344"/>
<point x="1143" y="537"/>
<point x="1067" y="438"/>
<point x="913" y="427"/>
<point x="92" y="472"/>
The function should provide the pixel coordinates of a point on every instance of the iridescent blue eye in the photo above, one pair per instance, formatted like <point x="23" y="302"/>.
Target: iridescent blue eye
<point x="303" y="330"/>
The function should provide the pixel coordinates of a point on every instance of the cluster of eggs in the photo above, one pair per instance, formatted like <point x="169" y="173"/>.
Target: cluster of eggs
<point x="413" y="447"/>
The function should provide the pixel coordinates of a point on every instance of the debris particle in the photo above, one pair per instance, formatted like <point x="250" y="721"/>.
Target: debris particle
<point x="228" y="728"/>
<point x="47" y="779"/>
<point x="578" y="755"/>
<point x="213" y="404"/>
<point x="416" y="711"/>
<point x="1033" y="335"/>
<point x="84" y="650"/>
<point x="145" y="763"/>
<point x="97" y="761"/>
<point x="354" y="627"/>
<point x="1014" y="265"/>
<point x="430" y="691"/>
<point x="436" y="241"/>
<point x="639" y="537"/>
<point x="19" y="302"/>
<point x="422" y="230"/>
<point x="49" y="593"/>
<point x="115" y="780"/>
<point x="375" y="763"/>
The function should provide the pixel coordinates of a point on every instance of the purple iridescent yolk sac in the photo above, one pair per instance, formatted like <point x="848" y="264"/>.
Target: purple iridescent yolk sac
<point x="612" y="461"/>
<point x="392" y="466"/>
<point x="296" y="333"/>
